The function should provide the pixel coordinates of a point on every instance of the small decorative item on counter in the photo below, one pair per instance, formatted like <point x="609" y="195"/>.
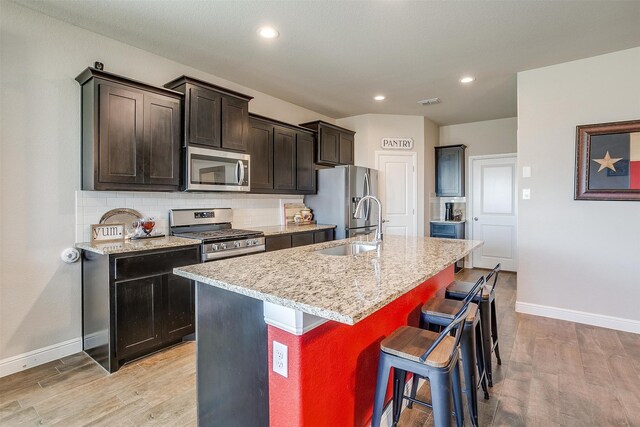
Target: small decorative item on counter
<point x="144" y="228"/>
<point x="128" y="217"/>
<point x="297" y="218"/>
<point x="457" y="215"/>
<point x="307" y="216"/>
<point x="107" y="232"/>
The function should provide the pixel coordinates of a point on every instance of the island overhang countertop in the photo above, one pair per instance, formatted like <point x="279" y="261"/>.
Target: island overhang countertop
<point x="345" y="289"/>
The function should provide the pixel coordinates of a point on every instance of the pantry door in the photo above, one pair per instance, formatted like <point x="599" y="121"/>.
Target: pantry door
<point x="494" y="209"/>
<point x="397" y="187"/>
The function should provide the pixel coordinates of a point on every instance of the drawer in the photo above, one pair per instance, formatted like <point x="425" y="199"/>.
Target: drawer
<point x="323" y="236"/>
<point x="443" y="235"/>
<point x="443" y="229"/>
<point x="277" y="243"/>
<point x="301" y="239"/>
<point x="154" y="263"/>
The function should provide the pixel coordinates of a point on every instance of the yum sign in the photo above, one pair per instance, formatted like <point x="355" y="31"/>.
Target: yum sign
<point x="397" y="143"/>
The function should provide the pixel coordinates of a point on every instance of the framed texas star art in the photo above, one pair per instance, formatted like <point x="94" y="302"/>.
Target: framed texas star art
<point x="608" y="161"/>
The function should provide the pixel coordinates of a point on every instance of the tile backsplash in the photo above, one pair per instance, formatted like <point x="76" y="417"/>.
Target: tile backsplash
<point x="249" y="210"/>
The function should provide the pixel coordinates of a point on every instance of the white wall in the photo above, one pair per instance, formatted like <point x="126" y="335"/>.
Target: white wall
<point x="371" y="128"/>
<point x="481" y="138"/>
<point x="576" y="255"/>
<point x="40" y="164"/>
<point x="431" y="140"/>
<point x="486" y="137"/>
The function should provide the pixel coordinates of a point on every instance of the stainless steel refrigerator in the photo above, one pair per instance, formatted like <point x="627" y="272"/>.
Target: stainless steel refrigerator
<point x="339" y="190"/>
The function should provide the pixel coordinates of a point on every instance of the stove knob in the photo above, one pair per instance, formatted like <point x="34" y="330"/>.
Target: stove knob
<point x="236" y="244"/>
<point x="223" y="246"/>
<point x="249" y="242"/>
<point x="214" y="247"/>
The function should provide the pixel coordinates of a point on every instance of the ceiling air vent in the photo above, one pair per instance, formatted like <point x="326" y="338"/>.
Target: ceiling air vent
<point x="430" y="101"/>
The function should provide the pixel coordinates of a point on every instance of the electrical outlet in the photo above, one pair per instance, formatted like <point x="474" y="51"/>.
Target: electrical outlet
<point x="526" y="193"/>
<point x="280" y="359"/>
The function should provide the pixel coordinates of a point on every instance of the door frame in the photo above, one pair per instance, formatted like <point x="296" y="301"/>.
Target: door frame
<point x="470" y="216"/>
<point x="414" y="163"/>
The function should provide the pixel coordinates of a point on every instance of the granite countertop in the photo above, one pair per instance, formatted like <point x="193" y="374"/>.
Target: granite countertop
<point x="121" y="247"/>
<point x="341" y="288"/>
<point x="274" y="230"/>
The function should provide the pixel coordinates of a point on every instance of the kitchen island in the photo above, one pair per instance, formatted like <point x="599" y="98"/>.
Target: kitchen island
<point x="330" y="314"/>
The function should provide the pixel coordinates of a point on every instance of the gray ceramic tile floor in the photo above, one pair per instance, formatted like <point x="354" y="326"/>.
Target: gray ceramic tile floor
<point x="554" y="373"/>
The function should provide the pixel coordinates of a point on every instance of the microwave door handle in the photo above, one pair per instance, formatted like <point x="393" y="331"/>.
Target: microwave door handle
<point x="240" y="169"/>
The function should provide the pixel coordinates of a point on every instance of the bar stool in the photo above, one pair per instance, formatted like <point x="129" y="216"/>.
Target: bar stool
<point x="439" y="312"/>
<point x="404" y="351"/>
<point x="488" y="320"/>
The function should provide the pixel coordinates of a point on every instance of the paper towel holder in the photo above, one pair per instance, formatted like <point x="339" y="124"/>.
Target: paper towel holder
<point x="70" y="255"/>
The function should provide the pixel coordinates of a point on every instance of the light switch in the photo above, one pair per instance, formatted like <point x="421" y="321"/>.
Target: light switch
<point x="526" y="193"/>
<point x="526" y="171"/>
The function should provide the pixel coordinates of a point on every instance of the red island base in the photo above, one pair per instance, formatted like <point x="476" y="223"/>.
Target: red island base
<point x="332" y="368"/>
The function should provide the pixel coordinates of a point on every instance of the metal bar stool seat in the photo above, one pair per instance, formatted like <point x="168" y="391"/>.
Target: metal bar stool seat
<point x="486" y="300"/>
<point x="404" y="351"/>
<point x="440" y="312"/>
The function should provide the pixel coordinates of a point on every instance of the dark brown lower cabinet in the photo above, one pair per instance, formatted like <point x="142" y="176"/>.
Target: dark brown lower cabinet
<point x="133" y="305"/>
<point x="180" y="307"/>
<point x="293" y="240"/>
<point x="138" y="314"/>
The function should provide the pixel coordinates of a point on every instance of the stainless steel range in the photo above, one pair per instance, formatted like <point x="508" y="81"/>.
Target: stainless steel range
<point x="213" y="228"/>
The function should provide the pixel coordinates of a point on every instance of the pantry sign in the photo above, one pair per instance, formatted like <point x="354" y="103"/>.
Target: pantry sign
<point x="397" y="143"/>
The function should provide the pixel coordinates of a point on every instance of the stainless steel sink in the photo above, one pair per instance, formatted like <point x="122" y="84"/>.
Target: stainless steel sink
<point x="347" y="249"/>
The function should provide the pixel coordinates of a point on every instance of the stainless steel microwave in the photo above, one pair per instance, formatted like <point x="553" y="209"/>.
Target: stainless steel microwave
<point x="216" y="170"/>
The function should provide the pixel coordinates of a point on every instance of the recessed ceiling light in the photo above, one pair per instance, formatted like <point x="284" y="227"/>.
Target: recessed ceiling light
<point x="379" y="97"/>
<point x="467" y="79"/>
<point x="268" y="32"/>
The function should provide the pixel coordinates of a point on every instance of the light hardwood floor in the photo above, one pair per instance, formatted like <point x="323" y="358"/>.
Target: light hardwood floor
<point x="553" y="373"/>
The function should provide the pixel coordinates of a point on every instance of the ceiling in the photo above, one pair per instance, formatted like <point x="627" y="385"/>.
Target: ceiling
<point x="334" y="56"/>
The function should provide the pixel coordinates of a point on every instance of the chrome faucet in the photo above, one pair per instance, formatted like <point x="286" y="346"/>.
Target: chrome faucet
<point x="358" y="214"/>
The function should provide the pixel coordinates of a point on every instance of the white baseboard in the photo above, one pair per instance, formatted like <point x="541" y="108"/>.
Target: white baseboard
<point x="23" y="361"/>
<point x="617" y="323"/>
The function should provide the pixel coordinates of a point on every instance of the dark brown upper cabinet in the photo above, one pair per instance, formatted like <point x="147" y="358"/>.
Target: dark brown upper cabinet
<point x="282" y="157"/>
<point x="260" y="147"/>
<point x="306" y="170"/>
<point x="346" y="148"/>
<point x="335" y="144"/>
<point x="203" y="116"/>
<point x="214" y="117"/>
<point x="130" y="134"/>
<point x="450" y="161"/>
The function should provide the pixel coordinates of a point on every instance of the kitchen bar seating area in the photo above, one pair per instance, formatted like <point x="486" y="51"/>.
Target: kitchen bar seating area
<point x="549" y="367"/>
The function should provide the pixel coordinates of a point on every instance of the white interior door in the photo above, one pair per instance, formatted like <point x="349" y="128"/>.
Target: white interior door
<point x="494" y="211"/>
<point x="397" y="187"/>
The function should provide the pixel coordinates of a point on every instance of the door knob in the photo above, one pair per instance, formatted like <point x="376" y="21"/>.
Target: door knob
<point x="475" y="218"/>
